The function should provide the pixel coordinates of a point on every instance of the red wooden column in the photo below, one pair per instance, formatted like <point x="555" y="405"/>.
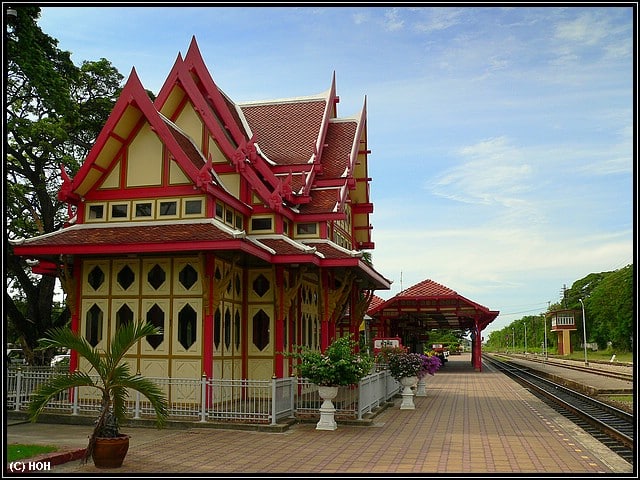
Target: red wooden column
<point x="354" y="321"/>
<point x="207" y="322"/>
<point x="74" y="304"/>
<point x="324" y="321"/>
<point x="476" y="347"/>
<point x="279" y="322"/>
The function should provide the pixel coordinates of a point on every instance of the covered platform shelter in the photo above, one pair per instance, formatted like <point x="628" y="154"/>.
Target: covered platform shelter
<point x="428" y="305"/>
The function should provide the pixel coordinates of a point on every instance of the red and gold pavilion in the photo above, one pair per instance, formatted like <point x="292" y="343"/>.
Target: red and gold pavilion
<point x="238" y="228"/>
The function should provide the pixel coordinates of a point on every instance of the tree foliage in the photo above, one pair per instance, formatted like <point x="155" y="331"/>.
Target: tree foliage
<point x="609" y="311"/>
<point x="54" y="111"/>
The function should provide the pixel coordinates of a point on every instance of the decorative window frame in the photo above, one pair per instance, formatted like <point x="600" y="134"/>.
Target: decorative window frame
<point x="260" y="230"/>
<point x="160" y="201"/>
<point x="307" y="234"/>
<point x="186" y="200"/>
<point x="87" y="212"/>
<point x="126" y="217"/>
<point x="141" y="217"/>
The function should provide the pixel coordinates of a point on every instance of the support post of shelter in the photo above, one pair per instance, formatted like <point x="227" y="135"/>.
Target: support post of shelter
<point x="476" y="347"/>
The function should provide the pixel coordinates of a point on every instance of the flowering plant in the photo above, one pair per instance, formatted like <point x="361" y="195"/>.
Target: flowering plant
<point x="430" y="365"/>
<point x="338" y="365"/>
<point x="383" y="354"/>
<point x="404" y="364"/>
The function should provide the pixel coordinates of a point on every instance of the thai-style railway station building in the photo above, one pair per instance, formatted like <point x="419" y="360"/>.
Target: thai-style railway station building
<point x="240" y="229"/>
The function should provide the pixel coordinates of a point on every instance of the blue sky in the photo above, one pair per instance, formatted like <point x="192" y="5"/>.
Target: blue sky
<point x="501" y="138"/>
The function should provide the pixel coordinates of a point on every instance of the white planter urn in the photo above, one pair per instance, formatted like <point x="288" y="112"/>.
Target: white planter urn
<point x="421" y="389"/>
<point x="327" y="409"/>
<point x="407" y="393"/>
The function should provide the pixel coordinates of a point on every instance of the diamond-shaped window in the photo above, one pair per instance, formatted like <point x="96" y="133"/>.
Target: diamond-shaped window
<point x="96" y="277"/>
<point x="217" y="325"/>
<point x="236" y="329"/>
<point x="155" y="316"/>
<point x="261" y="285"/>
<point x="187" y="326"/>
<point x="261" y="323"/>
<point x="188" y="276"/>
<point x="227" y="328"/>
<point x="237" y="285"/>
<point x="94" y="322"/>
<point x="156" y="276"/>
<point x="126" y="277"/>
<point x="124" y="316"/>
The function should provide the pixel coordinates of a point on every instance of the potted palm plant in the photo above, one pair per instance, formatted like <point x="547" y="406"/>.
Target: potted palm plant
<point x="107" y="446"/>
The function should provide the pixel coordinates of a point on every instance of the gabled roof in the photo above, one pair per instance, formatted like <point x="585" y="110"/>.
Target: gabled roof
<point x="375" y="301"/>
<point x="428" y="305"/>
<point x="295" y="154"/>
<point x="132" y="108"/>
<point x="277" y="145"/>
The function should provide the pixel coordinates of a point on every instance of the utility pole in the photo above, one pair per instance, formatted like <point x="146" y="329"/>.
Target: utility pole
<point x="546" y="347"/>
<point x="584" y="333"/>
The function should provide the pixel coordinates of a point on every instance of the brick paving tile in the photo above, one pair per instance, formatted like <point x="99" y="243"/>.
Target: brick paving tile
<point x="469" y="423"/>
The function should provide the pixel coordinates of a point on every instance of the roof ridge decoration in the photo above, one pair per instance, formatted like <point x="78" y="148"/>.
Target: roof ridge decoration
<point x="133" y="93"/>
<point x="353" y="253"/>
<point x="256" y="239"/>
<point x="279" y="101"/>
<point x="206" y="175"/>
<point x="247" y="157"/>
<point x="330" y="112"/>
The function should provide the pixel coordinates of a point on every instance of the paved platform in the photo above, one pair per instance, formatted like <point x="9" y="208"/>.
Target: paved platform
<point x="469" y="423"/>
<point x="590" y="383"/>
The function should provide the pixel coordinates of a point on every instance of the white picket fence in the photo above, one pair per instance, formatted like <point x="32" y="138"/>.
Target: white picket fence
<point x="218" y="400"/>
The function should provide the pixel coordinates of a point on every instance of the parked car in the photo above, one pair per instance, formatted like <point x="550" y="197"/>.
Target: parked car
<point x="15" y="356"/>
<point x="58" y="359"/>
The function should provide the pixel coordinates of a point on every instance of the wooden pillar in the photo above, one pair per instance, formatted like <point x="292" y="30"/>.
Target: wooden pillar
<point x="279" y="321"/>
<point x="325" y="310"/>
<point x="477" y="350"/>
<point x="74" y="294"/>
<point x="209" y="266"/>
<point x="354" y="315"/>
<point x="208" y="271"/>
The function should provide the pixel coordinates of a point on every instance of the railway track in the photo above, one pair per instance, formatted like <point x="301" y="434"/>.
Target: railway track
<point x="575" y="365"/>
<point x="611" y="426"/>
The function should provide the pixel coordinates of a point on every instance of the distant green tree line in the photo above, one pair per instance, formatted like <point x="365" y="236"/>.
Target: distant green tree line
<point x="609" y="311"/>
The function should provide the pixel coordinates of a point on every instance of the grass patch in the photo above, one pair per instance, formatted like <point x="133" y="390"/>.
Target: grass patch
<point x="601" y="356"/>
<point x="19" y="451"/>
<point x="618" y="398"/>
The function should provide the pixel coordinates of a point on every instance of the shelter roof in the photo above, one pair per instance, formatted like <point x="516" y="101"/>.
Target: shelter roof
<point x="429" y="305"/>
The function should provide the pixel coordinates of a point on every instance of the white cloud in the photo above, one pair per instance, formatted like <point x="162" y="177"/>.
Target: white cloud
<point x="438" y="18"/>
<point x="494" y="173"/>
<point x="587" y="29"/>
<point x="392" y="20"/>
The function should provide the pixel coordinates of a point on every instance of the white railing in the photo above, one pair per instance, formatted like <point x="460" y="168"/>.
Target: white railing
<point x="209" y="399"/>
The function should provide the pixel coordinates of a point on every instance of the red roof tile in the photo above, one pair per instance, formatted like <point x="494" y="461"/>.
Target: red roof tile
<point x="286" y="132"/>
<point x="427" y="288"/>
<point x="133" y="233"/>
<point x="186" y="145"/>
<point x="283" y="247"/>
<point x="375" y="301"/>
<point x="329" y="249"/>
<point x="322" y="201"/>
<point x="339" y="142"/>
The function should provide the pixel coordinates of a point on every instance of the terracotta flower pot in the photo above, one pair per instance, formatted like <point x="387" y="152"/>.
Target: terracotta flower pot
<point x="110" y="452"/>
